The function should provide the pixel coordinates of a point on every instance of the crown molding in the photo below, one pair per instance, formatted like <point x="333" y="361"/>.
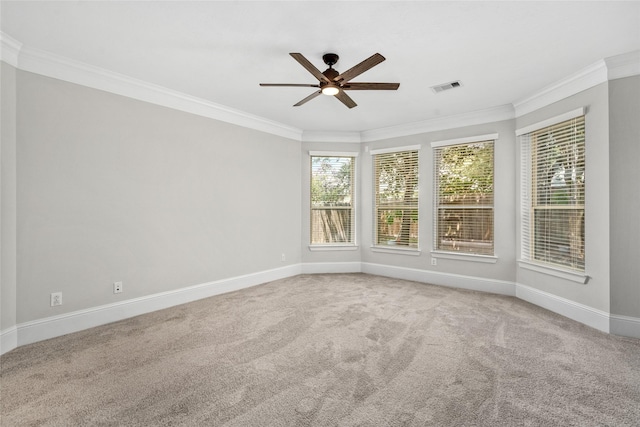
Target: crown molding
<point x="582" y="80"/>
<point x="51" y="65"/>
<point x="9" y="49"/>
<point x="323" y="136"/>
<point x="489" y="115"/>
<point x="614" y="67"/>
<point x="622" y="66"/>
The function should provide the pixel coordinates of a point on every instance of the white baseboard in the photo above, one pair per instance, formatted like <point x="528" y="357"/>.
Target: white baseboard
<point x="54" y="326"/>
<point x="625" y="326"/>
<point x="50" y="327"/>
<point x="8" y="339"/>
<point x="502" y="287"/>
<point x="331" y="267"/>
<point x="595" y="318"/>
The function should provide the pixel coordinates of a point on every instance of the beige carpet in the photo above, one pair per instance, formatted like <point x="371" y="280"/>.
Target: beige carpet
<point x="330" y="350"/>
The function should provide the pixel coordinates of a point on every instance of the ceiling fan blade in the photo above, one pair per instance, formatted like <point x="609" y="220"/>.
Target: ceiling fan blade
<point x="368" y="63"/>
<point x="308" y="98"/>
<point x="309" y="67"/>
<point x="371" y="86"/>
<point x="288" y="85"/>
<point x="345" y="99"/>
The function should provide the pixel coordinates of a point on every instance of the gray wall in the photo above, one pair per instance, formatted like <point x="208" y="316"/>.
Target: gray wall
<point x="596" y="292"/>
<point x="8" y="197"/>
<point x="504" y="204"/>
<point x="113" y="189"/>
<point x="624" y="154"/>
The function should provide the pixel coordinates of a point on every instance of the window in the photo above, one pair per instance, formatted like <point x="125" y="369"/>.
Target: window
<point x="332" y="200"/>
<point x="396" y="197"/>
<point x="463" y="192"/>
<point x="553" y="189"/>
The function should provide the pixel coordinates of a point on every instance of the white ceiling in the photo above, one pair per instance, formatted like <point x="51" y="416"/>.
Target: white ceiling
<point x="220" y="51"/>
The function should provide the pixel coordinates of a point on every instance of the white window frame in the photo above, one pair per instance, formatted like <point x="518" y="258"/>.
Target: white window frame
<point x="526" y="260"/>
<point x="375" y="247"/>
<point x="465" y="256"/>
<point x="346" y="246"/>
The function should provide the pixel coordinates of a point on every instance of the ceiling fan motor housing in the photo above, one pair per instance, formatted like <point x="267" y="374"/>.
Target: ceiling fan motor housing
<point x="330" y="58"/>
<point x="330" y="73"/>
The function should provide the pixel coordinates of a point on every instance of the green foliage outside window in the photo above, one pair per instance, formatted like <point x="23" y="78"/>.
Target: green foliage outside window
<point x="464" y="198"/>
<point x="396" y="187"/>
<point x="332" y="200"/>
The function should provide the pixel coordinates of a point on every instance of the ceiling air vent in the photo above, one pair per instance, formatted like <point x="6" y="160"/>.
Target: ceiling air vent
<point x="446" y="86"/>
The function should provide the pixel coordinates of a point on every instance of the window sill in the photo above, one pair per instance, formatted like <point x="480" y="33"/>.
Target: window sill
<point x="488" y="259"/>
<point x="319" y="248"/>
<point x="396" y="250"/>
<point x="557" y="272"/>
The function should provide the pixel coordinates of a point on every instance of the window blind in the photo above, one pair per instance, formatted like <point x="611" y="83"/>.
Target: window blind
<point x="553" y="194"/>
<point x="396" y="198"/>
<point x="332" y="200"/>
<point x="463" y="191"/>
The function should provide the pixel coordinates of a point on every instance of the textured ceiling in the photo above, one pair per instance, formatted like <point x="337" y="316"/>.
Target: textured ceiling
<point x="502" y="52"/>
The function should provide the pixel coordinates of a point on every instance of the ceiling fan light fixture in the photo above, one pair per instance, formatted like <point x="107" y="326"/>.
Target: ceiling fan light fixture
<point x="330" y="90"/>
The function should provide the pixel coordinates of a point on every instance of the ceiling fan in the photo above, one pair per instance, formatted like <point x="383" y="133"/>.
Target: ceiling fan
<point x="331" y="82"/>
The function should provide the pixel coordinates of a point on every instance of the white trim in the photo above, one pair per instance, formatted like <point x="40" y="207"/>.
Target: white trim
<point x="8" y="339"/>
<point x="467" y="140"/>
<point x="51" y="65"/>
<point x="395" y="250"/>
<point x="489" y="259"/>
<point x="334" y="153"/>
<point x="354" y="193"/>
<point x="329" y="136"/>
<point x="501" y="287"/>
<point x="54" y="326"/>
<point x="41" y="329"/>
<point x="336" y="247"/>
<point x="589" y="316"/>
<point x="625" y="65"/>
<point x="456" y="121"/>
<point x="331" y="267"/>
<point x="611" y="68"/>
<point x="584" y="79"/>
<point x="577" y="277"/>
<point x="395" y="149"/>
<point x="551" y="121"/>
<point x="9" y="49"/>
<point x="624" y="325"/>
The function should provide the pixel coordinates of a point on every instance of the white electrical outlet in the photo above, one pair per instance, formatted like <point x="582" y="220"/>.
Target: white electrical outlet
<point x="117" y="287"/>
<point x="434" y="261"/>
<point x="283" y="258"/>
<point x="56" y="299"/>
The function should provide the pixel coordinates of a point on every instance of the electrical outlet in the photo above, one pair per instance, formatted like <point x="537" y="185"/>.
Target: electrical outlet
<point x="434" y="261"/>
<point x="117" y="287"/>
<point x="56" y="299"/>
<point x="283" y="258"/>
